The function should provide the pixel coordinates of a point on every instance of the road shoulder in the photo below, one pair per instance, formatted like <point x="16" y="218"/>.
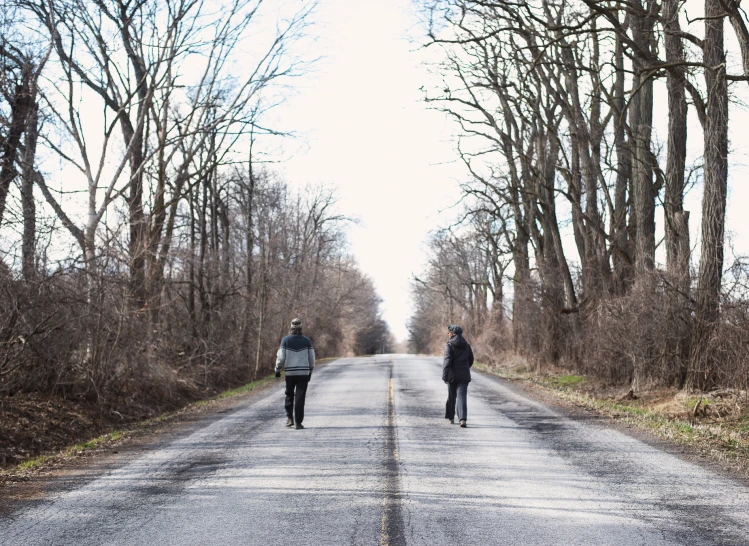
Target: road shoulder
<point x="654" y="430"/>
<point x="66" y="469"/>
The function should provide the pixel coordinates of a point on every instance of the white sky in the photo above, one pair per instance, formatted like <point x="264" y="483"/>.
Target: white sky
<point x="369" y="134"/>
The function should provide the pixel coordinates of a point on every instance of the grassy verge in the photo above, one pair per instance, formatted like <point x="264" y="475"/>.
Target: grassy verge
<point x="114" y="438"/>
<point x="715" y="424"/>
<point x="244" y="389"/>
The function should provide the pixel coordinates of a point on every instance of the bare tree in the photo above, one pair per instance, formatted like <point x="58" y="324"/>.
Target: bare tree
<point x="716" y="186"/>
<point x="137" y="125"/>
<point x="555" y="105"/>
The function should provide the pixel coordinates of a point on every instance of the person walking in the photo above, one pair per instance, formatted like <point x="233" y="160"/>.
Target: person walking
<point x="296" y="357"/>
<point x="456" y="373"/>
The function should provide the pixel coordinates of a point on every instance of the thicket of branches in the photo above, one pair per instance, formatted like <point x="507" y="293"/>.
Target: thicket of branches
<point x="148" y="257"/>
<point x="559" y="105"/>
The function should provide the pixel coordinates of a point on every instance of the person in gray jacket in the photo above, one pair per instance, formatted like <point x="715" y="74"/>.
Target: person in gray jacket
<point x="456" y="373"/>
<point x="296" y="357"/>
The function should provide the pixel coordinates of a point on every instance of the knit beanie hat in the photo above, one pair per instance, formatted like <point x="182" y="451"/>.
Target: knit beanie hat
<point x="296" y="324"/>
<point x="455" y="329"/>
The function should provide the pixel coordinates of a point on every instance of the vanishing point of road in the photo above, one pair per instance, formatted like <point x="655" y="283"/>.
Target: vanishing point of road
<point x="377" y="464"/>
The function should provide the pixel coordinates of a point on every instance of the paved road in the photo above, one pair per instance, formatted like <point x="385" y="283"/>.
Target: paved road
<point x="378" y="465"/>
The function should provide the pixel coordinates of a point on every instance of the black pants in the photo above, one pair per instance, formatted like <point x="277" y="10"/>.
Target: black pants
<point x="295" y="402"/>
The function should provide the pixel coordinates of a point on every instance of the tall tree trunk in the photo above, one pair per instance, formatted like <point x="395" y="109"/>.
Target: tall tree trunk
<point x="191" y="266"/>
<point x="137" y="221"/>
<point x="28" y="244"/>
<point x="590" y="222"/>
<point x="621" y="255"/>
<point x="134" y="138"/>
<point x="261" y="326"/>
<point x="570" y="295"/>
<point x="205" y="301"/>
<point x="714" y="198"/>
<point x="519" y="246"/>
<point x="642" y="129"/>
<point x="676" y="219"/>
<point x="677" y="145"/>
<point x="523" y="289"/>
<point x="226" y="250"/>
<point x="594" y="135"/>
<point x="21" y="103"/>
<point x="249" y="234"/>
<point x="249" y="246"/>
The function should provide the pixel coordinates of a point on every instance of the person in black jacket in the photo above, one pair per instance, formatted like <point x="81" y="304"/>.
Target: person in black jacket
<point x="456" y="373"/>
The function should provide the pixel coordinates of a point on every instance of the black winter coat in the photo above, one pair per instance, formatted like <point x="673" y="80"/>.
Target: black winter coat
<point x="457" y="361"/>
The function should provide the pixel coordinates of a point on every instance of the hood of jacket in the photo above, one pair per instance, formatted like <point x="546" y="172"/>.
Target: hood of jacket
<point x="458" y="342"/>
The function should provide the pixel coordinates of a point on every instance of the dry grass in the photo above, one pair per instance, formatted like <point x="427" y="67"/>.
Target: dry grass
<point x="716" y="423"/>
<point x="114" y="438"/>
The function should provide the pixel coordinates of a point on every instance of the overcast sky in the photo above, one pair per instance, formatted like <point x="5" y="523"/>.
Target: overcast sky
<point x="367" y="132"/>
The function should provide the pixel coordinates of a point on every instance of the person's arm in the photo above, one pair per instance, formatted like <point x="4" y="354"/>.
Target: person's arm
<point x="311" y="359"/>
<point x="281" y="358"/>
<point x="470" y="356"/>
<point x="447" y="364"/>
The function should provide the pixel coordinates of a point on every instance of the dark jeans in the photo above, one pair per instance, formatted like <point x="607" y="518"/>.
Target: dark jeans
<point x="295" y="403"/>
<point x="457" y="396"/>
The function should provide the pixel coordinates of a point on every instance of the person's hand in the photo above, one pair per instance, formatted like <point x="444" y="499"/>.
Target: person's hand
<point x="447" y="382"/>
<point x="278" y="374"/>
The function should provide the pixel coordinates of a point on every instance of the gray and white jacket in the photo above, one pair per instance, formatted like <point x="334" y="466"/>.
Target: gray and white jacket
<point x="296" y="356"/>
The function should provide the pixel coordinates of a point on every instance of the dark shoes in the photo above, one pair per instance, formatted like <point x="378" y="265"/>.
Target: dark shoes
<point x="289" y="422"/>
<point x="463" y="423"/>
<point x="299" y="426"/>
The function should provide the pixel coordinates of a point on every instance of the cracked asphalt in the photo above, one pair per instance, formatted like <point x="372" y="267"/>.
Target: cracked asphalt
<point x="377" y="464"/>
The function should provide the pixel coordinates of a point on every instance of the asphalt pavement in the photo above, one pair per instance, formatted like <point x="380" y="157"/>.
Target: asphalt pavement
<point x="378" y="464"/>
